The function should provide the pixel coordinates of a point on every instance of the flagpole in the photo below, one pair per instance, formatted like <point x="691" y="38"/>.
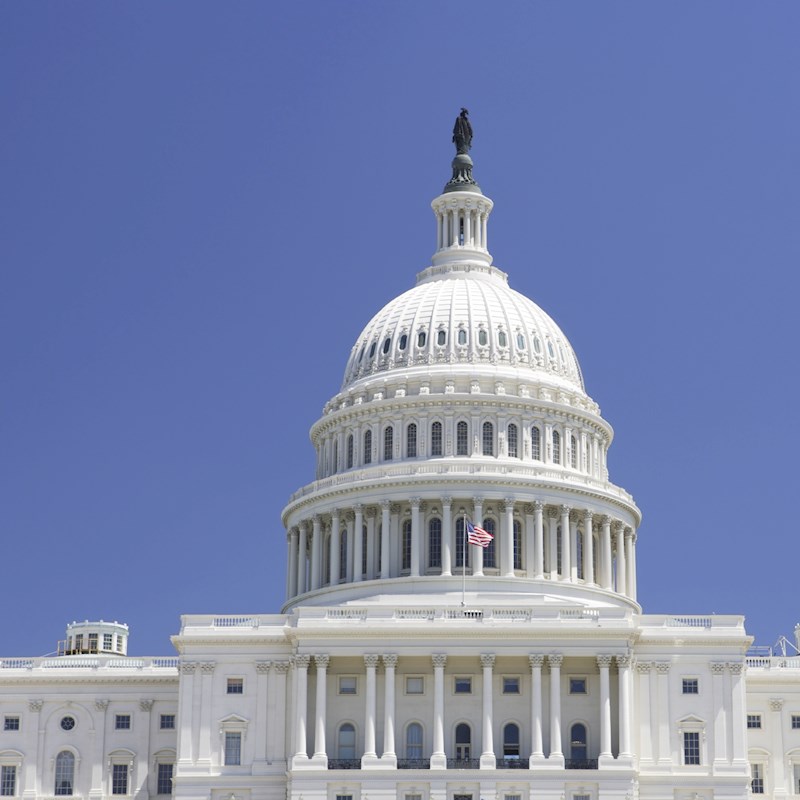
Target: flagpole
<point x="464" y="564"/>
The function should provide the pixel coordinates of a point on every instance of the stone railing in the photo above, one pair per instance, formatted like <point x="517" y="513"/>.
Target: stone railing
<point x="155" y="663"/>
<point x="773" y="662"/>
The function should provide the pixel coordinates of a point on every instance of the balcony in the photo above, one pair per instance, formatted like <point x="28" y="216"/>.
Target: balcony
<point x="581" y="763"/>
<point x="463" y="763"/>
<point x="413" y="763"/>
<point x="344" y="763"/>
<point x="512" y="762"/>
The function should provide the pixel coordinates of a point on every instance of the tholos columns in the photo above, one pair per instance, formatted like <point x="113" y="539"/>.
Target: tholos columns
<point x="320" y="751"/>
<point x="555" y="662"/>
<point x="371" y="662"/>
<point x="488" y="760"/>
<point x="389" y="664"/>
<point x="604" y="662"/>
<point x="301" y="707"/>
<point x="537" y="750"/>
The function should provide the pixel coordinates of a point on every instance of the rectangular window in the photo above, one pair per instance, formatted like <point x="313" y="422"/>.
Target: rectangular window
<point x="796" y="779"/>
<point x="415" y="684"/>
<point x="581" y="797"/>
<point x="463" y="685"/>
<point x="795" y="722"/>
<point x="413" y="797"/>
<point x="235" y="685"/>
<point x="167" y="722"/>
<point x="347" y="684"/>
<point x="8" y="781"/>
<point x="690" y="686"/>
<point x="513" y="797"/>
<point x="577" y="685"/>
<point x="754" y="720"/>
<point x="108" y="641"/>
<point x="757" y="778"/>
<point x="11" y="724"/>
<point x="510" y="686"/>
<point x="164" y="782"/>
<point x="92" y="642"/>
<point x="233" y="749"/>
<point x="119" y="779"/>
<point x="344" y="797"/>
<point x="122" y="722"/>
<point x="691" y="747"/>
<point x="79" y="642"/>
<point x="120" y="643"/>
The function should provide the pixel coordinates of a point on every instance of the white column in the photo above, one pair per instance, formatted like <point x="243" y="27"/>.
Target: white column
<point x="389" y="664"/>
<point x="467" y="227"/>
<point x="302" y="558"/>
<point x="33" y="740"/>
<point x="371" y="662"/>
<point x="619" y="530"/>
<point x="301" y="706"/>
<point x="206" y="693"/>
<point x="552" y="541"/>
<point x="718" y="714"/>
<point x="477" y="552"/>
<point x="371" y="555"/>
<point x="316" y="552"/>
<point x="508" y="538"/>
<point x="439" y="757"/>
<point x="488" y="760"/>
<point x="261" y="716"/>
<point x="336" y="547"/>
<point x="566" y="561"/>
<point x="629" y="561"/>
<point x="385" y="546"/>
<point x="185" y="694"/>
<point x="439" y="231"/>
<point x="607" y="561"/>
<point x="632" y="567"/>
<point x="415" y="536"/>
<point x="278" y="745"/>
<point x="538" y="540"/>
<point x="663" y="713"/>
<point x="358" y="542"/>
<point x="777" y="762"/>
<point x="604" y="662"/>
<point x="738" y="714"/>
<point x="447" y="536"/>
<point x="624" y="668"/>
<point x="573" y="546"/>
<point x="530" y="542"/>
<point x="291" y="578"/>
<point x="645" y="722"/>
<point x="588" y="548"/>
<point x="537" y="745"/>
<point x="555" y="662"/>
<point x="484" y="227"/>
<point x="320" y="749"/>
<point x="350" y="519"/>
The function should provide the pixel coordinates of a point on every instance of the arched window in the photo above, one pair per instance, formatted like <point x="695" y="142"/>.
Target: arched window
<point x="462" y="554"/>
<point x="537" y="344"/>
<point x="350" y="451"/>
<point x="462" y="439"/>
<point x="463" y="742"/>
<point x="422" y="337"/>
<point x="411" y="441"/>
<point x="517" y="545"/>
<point x="414" y="741"/>
<point x="488" y="439"/>
<point x="441" y="338"/>
<point x="346" y="741"/>
<point x="579" y="554"/>
<point x="435" y="543"/>
<point x="483" y="338"/>
<point x="65" y="773"/>
<point x="387" y="344"/>
<point x="388" y="442"/>
<point x="326" y="560"/>
<point x="335" y="456"/>
<point x="343" y="555"/>
<point x="405" y="546"/>
<point x="436" y="439"/>
<point x="462" y="336"/>
<point x="520" y="341"/>
<point x="372" y="349"/>
<point x="536" y="444"/>
<point x="403" y="342"/>
<point x="368" y="447"/>
<point x="502" y="339"/>
<point x="513" y="444"/>
<point x="379" y="547"/>
<point x="511" y="741"/>
<point x="573" y="452"/>
<point x="364" y="550"/>
<point x="577" y="742"/>
<point x="556" y="447"/>
<point x="490" y="553"/>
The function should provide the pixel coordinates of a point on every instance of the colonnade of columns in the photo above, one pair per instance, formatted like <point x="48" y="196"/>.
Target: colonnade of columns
<point x="391" y="540"/>
<point x="540" y="755"/>
<point x="460" y="222"/>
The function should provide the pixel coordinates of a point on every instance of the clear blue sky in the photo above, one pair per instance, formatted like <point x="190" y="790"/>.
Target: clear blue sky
<point x="201" y="205"/>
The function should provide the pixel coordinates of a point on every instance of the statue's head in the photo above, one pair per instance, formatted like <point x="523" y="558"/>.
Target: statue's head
<point x="464" y="112"/>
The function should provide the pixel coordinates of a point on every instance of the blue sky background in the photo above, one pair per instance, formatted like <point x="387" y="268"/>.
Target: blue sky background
<point x="202" y="204"/>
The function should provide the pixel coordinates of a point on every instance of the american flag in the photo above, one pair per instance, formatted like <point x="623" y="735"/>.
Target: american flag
<point x="478" y="536"/>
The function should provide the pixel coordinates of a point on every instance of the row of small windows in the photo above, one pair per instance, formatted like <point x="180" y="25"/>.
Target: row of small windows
<point x="122" y="722"/>
<point x="462" y="443"/>
<point x="462" y="338"/>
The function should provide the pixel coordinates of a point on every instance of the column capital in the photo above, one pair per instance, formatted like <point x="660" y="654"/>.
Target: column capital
<point x="207" y="667"/>
<point x="717" y="667"/>
<point x="335" y="513"/>
<point x="371" y="512"/>
<point x="439" y="660"/>
<point x="776" y="703"/>
<point x="395" y="508"/>
<point x="415" y="502"/>
<point x="662" y="667"/>
<point x="188" y="667"/>
<point x="146" y="705"/>
<point x="321" y="661"/>
<point x="508" y="504"/>
<point x="359" y="508"/>
<point x="389" y="660"/>
<point x="735" y="667"/>
<point x="536" y="660"/>
<point x="618" y="526"/>
<point x="281" y="667"/>
<point x="35" y="705"/>
<point x="538" y="505"/>
<point x="588" y="514"/>
<point x="564" y="509"/>
<point x="386" y="505"/>
<point x="303" y="525"/>
<point x="605" y="520"/>
<point x="447" y="501"/>
<point x="604" y="661"/>
<point x="263" y="667"/>
<point x="555" y="660"/>
<point x="644" y="667"/>
<point x="316" y="519"/>
<point x="99" y="705"/>
<point x="371" y="660"/>
<point x="302" y="661"/>
<point x="478" y="501"/>
<point x="624" y="661"/>
<point x="487" y="660"/>
<point x="292" y="533"/>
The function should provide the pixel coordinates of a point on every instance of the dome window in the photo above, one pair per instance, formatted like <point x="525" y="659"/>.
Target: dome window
<point x="372" y="348"/>
<point x="462" y="439"/>
<point x="388" y="443"/>
<point x="537" y="345"/>
<point x="483" y="338"/>
<point x="368" y="447"/>
<point x="422" y="338"/>
<point x="436" y="439"/>
<point x="556" y="447"/>
<point x="441" y="338"/>
<point x="502" y="339"/>
<point x="387" y="344"/>
<point x="411" y="441"/>
<point x="462" y="336"/>
<point x="513" y="441"/>
<point x="536" y="444"/>
<point x="550" y="351"/>
<point x="403" y="342"/>
<point x="488" y="439"/>
<point x="361" y="354"/>
<point x="520" y="341"/>
<point x="350" y="451"/>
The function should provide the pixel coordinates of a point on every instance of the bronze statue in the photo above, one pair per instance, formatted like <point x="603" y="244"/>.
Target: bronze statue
<point x="462" y="133"/>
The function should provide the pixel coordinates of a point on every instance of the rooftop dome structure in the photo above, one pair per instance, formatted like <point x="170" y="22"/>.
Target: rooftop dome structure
<point x="462" y="404"/>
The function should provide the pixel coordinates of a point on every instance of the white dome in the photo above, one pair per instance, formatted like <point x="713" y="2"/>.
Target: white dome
<point x="464" y="314"/>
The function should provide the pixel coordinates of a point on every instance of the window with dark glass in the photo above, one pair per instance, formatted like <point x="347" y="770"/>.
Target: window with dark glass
<point x="462" y="552"/>
<point x="346" y="742"/>
<point x="422" y="338"/>
<point x="502" y="339"/>
<point x="435" y="543"/>
<point x="364" y="550"/>
<point x="65" y="773"/>
<point x="350" y="451"/>
<point x="388" y="443"/>
<point x="488" y="439"/>
<point x="691" y="747"/>
<point x="411" y="441"/>
<point x="403" y="342"/>
<point x="436" y="439"/>
<point x="368" y="447"/>
<point x="490" y="552"/>
<point x="235" y="686"/>
<point x="577" y="742"/>
<point x="405" y="561"/>
<point x="343" y="555"/>
<point x="573" y="452"/>
<point x="556" y="447"/>
<point x="233" y="748"/>
<point x="462" y="439"/>
<point x="441" y="338"/>
<point x="463" y="742"/>
<point x="510" y="740"/>
<point x="513" y="443"/>
<point x="536" y="444"/>
<point x="462" y="336"/>
<point x="8" y="781"/>
<point x="372" y="348"/>
<point x="414" y="741"/>
<point x="119" y="779"/>
<point x="517" y="545"/>
<point x="387" y="345"/>
<point x="164" y="779"/>
<point x="483" y="338"/>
